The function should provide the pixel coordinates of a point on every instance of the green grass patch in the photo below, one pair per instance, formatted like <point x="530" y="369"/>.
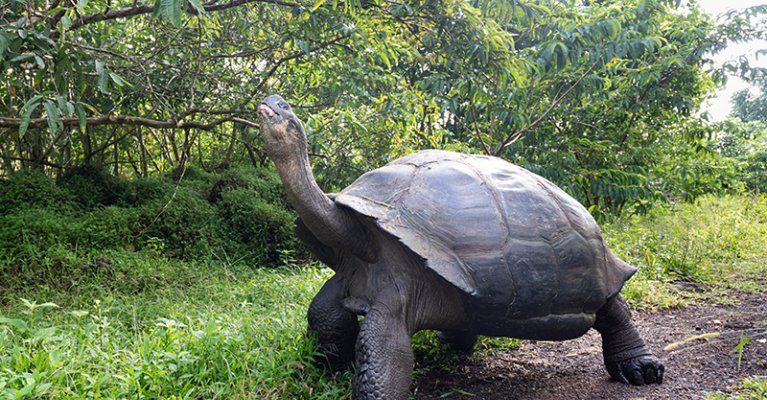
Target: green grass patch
<point x="206" y="331"/>
<point x="690" y="251"/>
<point x="749" y="389"/>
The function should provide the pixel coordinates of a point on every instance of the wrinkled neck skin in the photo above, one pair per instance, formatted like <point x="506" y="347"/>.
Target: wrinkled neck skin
<point x="334" y="226"/>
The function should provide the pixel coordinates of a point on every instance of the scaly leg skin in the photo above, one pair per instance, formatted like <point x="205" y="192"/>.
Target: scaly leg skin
<point x="626" y="356"/>
<point x="384" y="356"/>
<point x="334" y="327"/>
<point x="459" y="341"/>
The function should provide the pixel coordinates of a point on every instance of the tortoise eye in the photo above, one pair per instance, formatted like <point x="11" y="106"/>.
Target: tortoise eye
<point x="283" y="105"/>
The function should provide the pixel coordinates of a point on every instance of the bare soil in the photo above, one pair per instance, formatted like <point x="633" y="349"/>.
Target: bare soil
<point x="695" y="343"/>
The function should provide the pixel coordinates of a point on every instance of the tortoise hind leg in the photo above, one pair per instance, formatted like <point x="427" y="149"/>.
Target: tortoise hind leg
<point x="626" y="356"/>
<point x="459" y="341"/>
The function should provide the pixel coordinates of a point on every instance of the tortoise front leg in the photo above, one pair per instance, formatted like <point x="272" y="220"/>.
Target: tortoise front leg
<point x="384" y="356"/>
<point x="334" y="327"/>
<point x="626" y="356"/>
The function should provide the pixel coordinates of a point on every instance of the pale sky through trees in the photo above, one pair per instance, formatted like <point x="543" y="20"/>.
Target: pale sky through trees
<point x="719" y="107"/>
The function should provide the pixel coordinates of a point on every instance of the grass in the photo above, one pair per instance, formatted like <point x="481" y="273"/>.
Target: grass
<point x="123" y="324"/>
<point x="694" y="252"/>
<point x="749" y="389"/>
<point x="213" y="331"/>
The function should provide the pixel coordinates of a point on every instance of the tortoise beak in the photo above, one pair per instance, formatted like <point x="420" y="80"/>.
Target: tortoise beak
<point x="267" y="114"/>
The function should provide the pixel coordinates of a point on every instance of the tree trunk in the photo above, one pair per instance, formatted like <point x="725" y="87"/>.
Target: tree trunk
<point x="116" y="168"/>
<point x="85" y="140"/>
<point x="142" y="152"/>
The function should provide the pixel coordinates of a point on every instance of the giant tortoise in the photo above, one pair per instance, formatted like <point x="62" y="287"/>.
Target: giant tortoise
<point x="463" y="244"/>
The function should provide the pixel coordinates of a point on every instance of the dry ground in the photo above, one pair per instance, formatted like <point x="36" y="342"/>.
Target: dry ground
<point x="573" y="369"/>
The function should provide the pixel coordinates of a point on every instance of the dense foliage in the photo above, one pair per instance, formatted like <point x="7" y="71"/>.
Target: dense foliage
<point x="239" y="215"/>
<point x="744" y="136"/>
<point x="136" y="198"/>
<point x="601" y="97"/>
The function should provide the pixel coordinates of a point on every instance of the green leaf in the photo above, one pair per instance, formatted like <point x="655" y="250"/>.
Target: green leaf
<point x="103" y="78"/>
<point x="39" y="61"/>
<point x="26" y="113"/>
<point x="4" y="43"/>
<point x="318" y="4"/>
<point x="19" y="324"/>
<point x="54" y="117"/>
<point x="22" y="57"/>
<point x="117" y="79"/>
<point x="48" y="305"/>
<point x="169" y="10"/>
<point x="197" y="6"/>
<point x="65" y="22"/>
<point x="61" y="103"/>
<point x="81" y="120"/>
<point x="303" y="46"/>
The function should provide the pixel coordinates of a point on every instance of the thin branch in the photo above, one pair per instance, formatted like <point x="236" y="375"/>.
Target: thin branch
<point x="246" y="122"/>
<point x="42" y="162"/>
<point x="513" y="137"/>
<point x="283" y="60"/>
<point x="479" y="135"/>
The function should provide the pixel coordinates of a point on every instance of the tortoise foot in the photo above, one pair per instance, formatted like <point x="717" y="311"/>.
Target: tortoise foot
<point x="638" y="371"/>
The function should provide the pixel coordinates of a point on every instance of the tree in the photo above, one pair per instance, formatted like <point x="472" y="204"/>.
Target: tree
<point x="592" y="95"/>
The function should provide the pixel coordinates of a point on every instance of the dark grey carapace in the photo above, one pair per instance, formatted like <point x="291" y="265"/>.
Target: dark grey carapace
<point x="467" y="245"/>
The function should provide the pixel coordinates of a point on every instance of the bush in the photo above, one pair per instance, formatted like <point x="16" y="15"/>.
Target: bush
<point x="92" y="187"/>
<point x="264" y="228"/>
<point x="755" y="172"/>
<point x="28" y="233"/>
<point x="264" y="183"/>
<point x="181" y="224"/>
<point x="140" y="191"/>
<point x="239" y="214"/>
<point x="32" y="190"/>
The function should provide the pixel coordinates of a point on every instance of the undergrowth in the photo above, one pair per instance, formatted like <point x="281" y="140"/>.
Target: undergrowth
<point x="239" y="214"/>
<point x="690" y="251"/>
<point x="749" y="389"/>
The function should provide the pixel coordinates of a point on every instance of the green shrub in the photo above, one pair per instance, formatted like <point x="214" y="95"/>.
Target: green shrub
<point x="92" y="186"/>
<point x="261" y="228"/>
<point x="23" y="190"/>
<point x="182" y="223"/>
<point x="265" y="183"/>
<point x="27" y="234"/>
<point x="755" y="172"/>
<point x="238" y="214"/>
<point x="110" y="227"/>
<point x="142" y="190"/>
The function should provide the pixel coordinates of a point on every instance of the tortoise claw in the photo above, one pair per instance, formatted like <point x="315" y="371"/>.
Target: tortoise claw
<point x="638" y="371"/>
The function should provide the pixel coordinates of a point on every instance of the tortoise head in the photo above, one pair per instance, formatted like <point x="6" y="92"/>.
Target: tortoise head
<point x="281" y="130"/>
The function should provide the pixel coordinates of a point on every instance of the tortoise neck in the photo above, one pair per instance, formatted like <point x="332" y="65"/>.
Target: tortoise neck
<point x="334" y="226"/>
<point x="310" y="202"/>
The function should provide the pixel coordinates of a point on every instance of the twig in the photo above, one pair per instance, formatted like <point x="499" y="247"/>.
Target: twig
<point x="513" y="137"/>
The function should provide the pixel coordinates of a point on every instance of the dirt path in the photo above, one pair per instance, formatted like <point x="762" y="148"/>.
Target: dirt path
<point x="574" y="370"/>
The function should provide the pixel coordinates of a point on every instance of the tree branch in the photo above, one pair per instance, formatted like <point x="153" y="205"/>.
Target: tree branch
<point x="513" y="137"/>
<point x="140" y="9"/>
<point x="122" y="120"/>
<point x="41" y="162"/>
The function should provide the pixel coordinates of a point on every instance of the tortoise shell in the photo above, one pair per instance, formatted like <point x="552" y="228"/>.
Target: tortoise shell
<point x="505" y="236"/>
